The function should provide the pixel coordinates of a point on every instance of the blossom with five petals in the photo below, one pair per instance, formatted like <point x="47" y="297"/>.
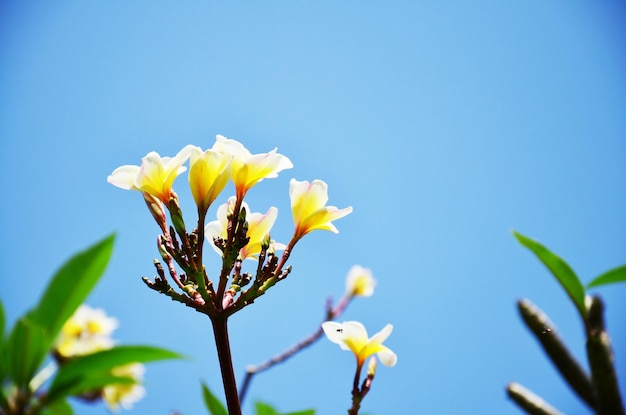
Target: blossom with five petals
<point x="352" y="335"/>
<point x="360" y="282"/>
<point x="155" y="176"/>
<point x="87" y="331"/>
<point x="308" y="206"/>
<point x="208" y="175"/>
<point x="248" y="169"/>
<point x="259" y="226"/>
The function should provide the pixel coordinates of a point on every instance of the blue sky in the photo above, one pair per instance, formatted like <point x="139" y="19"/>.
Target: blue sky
<point x="444" y="124"/>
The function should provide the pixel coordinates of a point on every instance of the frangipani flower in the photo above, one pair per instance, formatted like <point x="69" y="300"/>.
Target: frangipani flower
<point x="352" y="335"/>
<point x="248" y="169"/>
<point x="125" y="394"/>
<point x="87" y="331"/>
<point x="308" y="206"/>
<point x="155" y="176"/>
<point x="208" y="174"/>
<point x="259" y="226"/>
<point x="360" y="282"/>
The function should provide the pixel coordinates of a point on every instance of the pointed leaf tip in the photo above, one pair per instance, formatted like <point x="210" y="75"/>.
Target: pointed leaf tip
<point x="560" y="269"/>
<point x="610" y="277"/>
<point x="214" y="406"/>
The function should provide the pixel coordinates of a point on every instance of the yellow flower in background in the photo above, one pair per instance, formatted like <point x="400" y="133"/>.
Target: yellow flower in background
<point x="155" y="176"/>
<point x="308" y="206"/>
<point x="87" y="331"/>
<point x="208" y="174"/>
<point x="125" y="395"/>
<point x="259" y="226"/>
<point x="248" y="169"/>
<point x="352" y="335"/>
<point x="360" y="282"/>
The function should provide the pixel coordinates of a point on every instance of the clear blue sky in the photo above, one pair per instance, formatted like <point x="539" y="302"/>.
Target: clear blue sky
<point x="444" y="124"/>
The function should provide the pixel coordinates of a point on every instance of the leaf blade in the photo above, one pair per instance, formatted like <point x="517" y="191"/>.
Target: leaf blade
<point x="213" y="405"/>
<point x="72" y="282"/>
<point x="84" y="368"/>
<point x="26" y="349"/>
<point x="560" y="269"/>
<point x="610" y="277"/>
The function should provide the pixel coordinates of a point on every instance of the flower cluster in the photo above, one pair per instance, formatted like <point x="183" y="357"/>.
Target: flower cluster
<point x="88" y="331"/>
<point x="236" y="235"/>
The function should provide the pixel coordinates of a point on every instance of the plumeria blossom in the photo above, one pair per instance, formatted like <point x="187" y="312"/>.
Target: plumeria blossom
<point x="352" y="335"/>
<point x="248" y="169"/>
<point x="360" y="282"/>
<point x="125" y="395"/>
<point x="208" y="174"/>
<point x="87" y="331"/>
<point x="155" y="176"/>
<point x="259" y="226"/>
<point x="308" y="206"/>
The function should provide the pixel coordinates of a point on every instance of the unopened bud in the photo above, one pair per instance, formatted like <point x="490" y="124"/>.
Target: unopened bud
<point x="371" y="368"/>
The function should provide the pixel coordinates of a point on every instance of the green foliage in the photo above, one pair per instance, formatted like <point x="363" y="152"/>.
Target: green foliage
<point x="265" y="409"/>
<point x="72" y="282"/>
<point x="561" y="270"/>
<point x="32" y="339"/>
<point x="93" y="371"/>
<point x="211" y="402"/>
<point x="60" y="407"/>
<point x="26" y="349"/>
<point x="610" y="277"/>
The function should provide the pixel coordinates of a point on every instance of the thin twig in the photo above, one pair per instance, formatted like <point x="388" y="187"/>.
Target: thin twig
<point x="331" y="314"/>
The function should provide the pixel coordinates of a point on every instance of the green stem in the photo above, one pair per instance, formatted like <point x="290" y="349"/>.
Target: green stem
<point x="220" y="331"/>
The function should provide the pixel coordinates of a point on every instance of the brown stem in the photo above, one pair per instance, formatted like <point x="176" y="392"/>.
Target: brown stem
<point x="220" y="332"/>
<point x="356" y="393"/>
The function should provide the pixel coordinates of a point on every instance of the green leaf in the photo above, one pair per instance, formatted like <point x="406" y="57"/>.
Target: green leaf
<point x="561" y="271"/>
<point x="610" y="277"/>
<point x="305" y="412"/>
<point x="26" y="350"/>
<point x="211" y="402"/>
<point x="2" y="322"/>
<point x="265" y="409"/>
<point x="3" y="353"/>
<point x="84" y="372"/>
<point x="60" y="407"/>
<point x="70" y="286"/>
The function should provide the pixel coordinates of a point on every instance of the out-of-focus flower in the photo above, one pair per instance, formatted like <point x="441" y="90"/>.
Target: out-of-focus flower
<point x="308" y="206"/>
<point x="208" y="174"/>
<point x="259" y="226"/>
<point x="360" y="282"/>
<point x="124" y="395"/>
<point x="352" y="335"/>
<point x="248" y="169"/>
<point x="87" y="331"/>
<point x="155" y="176"/>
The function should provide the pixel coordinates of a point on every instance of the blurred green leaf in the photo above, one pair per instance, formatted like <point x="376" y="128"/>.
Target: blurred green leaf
<point x="265" y="409"/>
<point x="305" y="412"/>
<point x="26" y="350"/>
<point x="60" y="407"/>
<point x="87" y="371"/>
<point x="211" y="402"/>
<point x="70" y="286"/>
<point x="610" y="277"/>
<point x="3" y="353"/>
<point x="2" y="321"/>
<point x="561" y="271"/>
